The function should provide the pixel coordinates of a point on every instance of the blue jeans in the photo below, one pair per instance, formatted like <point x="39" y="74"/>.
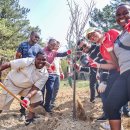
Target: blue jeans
<point x="49" y="89"/>
<point x="55" y="88"/>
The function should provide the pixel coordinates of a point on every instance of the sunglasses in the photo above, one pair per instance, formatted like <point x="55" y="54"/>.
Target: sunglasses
<point x="84" y="46"/>
<point x="37" y="37"/>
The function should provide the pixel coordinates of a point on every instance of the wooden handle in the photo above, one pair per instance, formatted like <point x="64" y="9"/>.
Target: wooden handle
<point x="29" y="108"/>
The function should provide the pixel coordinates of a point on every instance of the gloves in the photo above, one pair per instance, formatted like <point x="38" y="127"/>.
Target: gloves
<point x="61" y="76"/>
<point x="25" y="102"/>
<point x="93" y="64"/>
<point x="102" y="87"/>
<point x="52" y="66"/>
<point x="77" y="67"/>
<point x="69" y="52"/>
<point x="107" y="43"/>
<point x="127" y="26"/>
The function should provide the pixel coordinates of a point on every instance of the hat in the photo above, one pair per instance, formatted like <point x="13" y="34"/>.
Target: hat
<point x="90" y="30"/>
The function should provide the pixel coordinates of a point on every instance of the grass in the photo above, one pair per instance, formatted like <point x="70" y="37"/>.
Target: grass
<point x="79" y="83"/>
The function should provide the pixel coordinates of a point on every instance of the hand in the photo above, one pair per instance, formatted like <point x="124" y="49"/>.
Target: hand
<point x="69" y="52"/>
<point x="93" y="64"/>
<point x="102" y="87"/>
<point x="62" y="76"/>
<point x="127" y="26"/>
<point x="98" y="75"/>
<point x="77" y="67"/>
<point x="25" y="102"/>
<point x="107" y="43"/>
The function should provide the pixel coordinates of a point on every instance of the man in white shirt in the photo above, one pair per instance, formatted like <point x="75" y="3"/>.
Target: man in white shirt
<point x="26" y="78"/>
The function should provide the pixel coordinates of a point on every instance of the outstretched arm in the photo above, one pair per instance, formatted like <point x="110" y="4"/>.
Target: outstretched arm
<point x="32" y="92"/>
<point x="5" y="66"/>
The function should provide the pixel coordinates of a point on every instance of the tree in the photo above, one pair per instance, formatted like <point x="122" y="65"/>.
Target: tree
<point x="105" y="19"/>
<point x="14" y="26"/>
<point x="78" y="21"/>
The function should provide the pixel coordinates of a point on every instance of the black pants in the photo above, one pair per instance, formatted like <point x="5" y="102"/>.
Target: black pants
<point x="118" y="96"/>
<point x="93" y="83"/>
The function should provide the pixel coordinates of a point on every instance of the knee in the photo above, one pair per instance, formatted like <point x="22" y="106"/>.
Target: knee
<point x="112" y="109"/>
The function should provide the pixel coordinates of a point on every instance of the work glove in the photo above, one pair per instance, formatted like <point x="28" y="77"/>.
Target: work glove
<point x="52" y="67"/>
<point x="77" y="67"/>
<point x="107" y="43"/>
<point x="127" y="26"/>
<point x="69" y="52"/>
<point x="25" y="102"/>
<point x="102" y="87"/>
<point x="93" y="63"/>
<point x="61" y="76"/>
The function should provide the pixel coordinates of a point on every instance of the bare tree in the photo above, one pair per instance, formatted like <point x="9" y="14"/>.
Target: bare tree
<point x="78" y="22"/>
<point x="79" y="17"/>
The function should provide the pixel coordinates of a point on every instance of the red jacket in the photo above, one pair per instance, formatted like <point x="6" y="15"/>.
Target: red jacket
<point x="113" y="33"/>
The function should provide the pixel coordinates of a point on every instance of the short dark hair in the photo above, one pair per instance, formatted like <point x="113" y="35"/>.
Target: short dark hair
<point x="40" y="53"/>
<point x="32" y="33"/>
<point x="52" y="39"/>
<point x="79" y="41"/>
<point x="123" y="4"/>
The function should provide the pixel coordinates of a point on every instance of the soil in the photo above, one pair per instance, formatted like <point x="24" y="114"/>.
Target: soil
<point x="62" y="115"/>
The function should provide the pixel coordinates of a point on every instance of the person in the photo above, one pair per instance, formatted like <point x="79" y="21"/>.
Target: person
<point x="59" y="76"/>
<point x="28" y="49"/>
<point x="94" y="53"/>
<point x="100" y="38"/>
<point x="21" y="82"/>
<point x="51" y="53"/>
<point x="120" y="92"/>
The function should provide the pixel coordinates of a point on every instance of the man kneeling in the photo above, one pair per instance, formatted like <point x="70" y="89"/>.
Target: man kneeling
<point x="26" y="78"/>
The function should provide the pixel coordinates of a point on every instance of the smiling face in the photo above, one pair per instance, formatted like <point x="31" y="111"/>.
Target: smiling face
<point x="51" y="44"/>
<point x="84" y="46"/>
<point x="95" y="37"/>
<point x="123" y="15"/>
<point x="40" y="61"/>
<point x="34" y="37"/>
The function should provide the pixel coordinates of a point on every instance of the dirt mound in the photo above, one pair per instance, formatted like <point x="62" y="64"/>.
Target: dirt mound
<point x="61" y="118"/>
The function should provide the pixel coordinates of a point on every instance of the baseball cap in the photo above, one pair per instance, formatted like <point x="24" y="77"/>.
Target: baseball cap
<point x="90" y="30"/>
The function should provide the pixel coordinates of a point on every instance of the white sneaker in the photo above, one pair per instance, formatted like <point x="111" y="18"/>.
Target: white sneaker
<point x="105" y="125"/>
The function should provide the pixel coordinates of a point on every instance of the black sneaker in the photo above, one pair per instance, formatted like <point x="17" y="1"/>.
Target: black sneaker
<point x="29" y="121"/>
<point x="92" y="100"/>
<point x="47" y="109"/>
<point x="102" y="118"/>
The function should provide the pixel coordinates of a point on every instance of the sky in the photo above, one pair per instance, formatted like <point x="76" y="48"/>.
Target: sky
<point x="52" y="16"/>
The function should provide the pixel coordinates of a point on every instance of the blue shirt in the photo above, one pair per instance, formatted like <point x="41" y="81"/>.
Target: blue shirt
<point x="29" y="50"/>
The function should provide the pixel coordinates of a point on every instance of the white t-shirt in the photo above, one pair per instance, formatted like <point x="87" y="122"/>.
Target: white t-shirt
<point x="24" y="74"/>
<point x="121" y="53"/>
<point x="56" y="63"/>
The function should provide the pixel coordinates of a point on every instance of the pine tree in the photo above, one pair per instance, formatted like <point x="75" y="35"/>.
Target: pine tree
<point x="14" y="26"/>
<point x="105" y="19"/>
